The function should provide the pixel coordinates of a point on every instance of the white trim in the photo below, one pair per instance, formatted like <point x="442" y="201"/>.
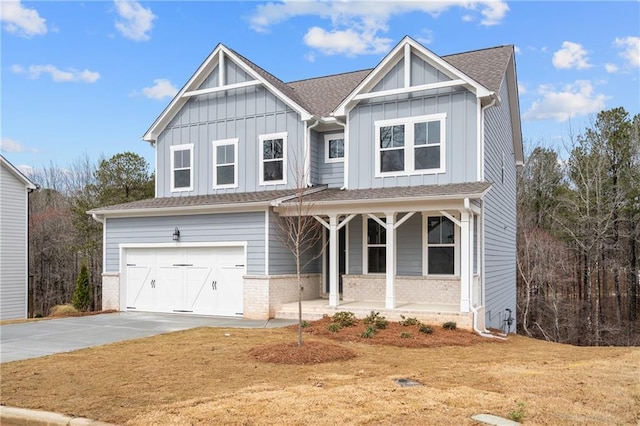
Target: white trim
<point x="221" y="69"/>
<point x="333" y="137"/>
<point x="17" y="173"/>
<point x="261" y="139"/>
<point x="425" y="244"/>
<point x="224" y="142"/>
<point x="183" y="245"/>
<point x="409" y="146"/>
<point x="407" y="66"/>
<point x="412" y="89"/>
<point x="345" y="178"/>
<point x="221" y="88"/>
<point x="182" y="147"/>
<point x="266" y="242"/>
<point x="365" y="242"/>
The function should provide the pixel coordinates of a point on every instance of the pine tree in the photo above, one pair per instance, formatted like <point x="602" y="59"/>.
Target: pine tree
<point x="81" y="299"/>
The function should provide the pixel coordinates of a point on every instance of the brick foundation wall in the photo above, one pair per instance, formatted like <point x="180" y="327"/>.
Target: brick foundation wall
<point x="372" y="288"/>
<point x="263" y="295"/>
<point x="110" y="291"/>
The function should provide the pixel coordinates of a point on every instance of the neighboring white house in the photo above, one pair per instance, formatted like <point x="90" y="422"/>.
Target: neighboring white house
<point x="14" y="237"/>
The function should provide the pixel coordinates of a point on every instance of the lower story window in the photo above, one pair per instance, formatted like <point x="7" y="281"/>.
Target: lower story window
<point x="440" y="246"/>
<point x="376" y="247"/>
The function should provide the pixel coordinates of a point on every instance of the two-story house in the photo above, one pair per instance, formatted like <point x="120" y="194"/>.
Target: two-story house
<point x="410" y="166"/>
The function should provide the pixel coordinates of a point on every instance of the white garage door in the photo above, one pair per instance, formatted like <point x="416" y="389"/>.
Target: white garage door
<point x="198" y="280"/>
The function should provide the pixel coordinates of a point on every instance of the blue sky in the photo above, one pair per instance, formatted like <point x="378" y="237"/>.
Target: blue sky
<point x="90" y="77"/>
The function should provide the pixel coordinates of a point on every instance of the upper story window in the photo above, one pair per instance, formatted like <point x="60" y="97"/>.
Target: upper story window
<point x="225" y="163"/>
<point x="414" y="145"/>
<point x="333" y="148"/>
<point x="182" y="167"/>
<point x="274" y="156"/>
<point x="440" y="246"/>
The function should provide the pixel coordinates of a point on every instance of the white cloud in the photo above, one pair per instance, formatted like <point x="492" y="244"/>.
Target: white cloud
<point x="20" y="20"/>
<point x="11" y="145"/>
<point x="572" y="100"/>
<point x="57" y="75"/>
<point x="517" y="50"/>
<point x="522" y="89"/>
<point x="26" y="170"/>
<point x="162" y="88"/>
<point x="356" y="25"/>
<point x="631" y="49"/>
<point x="136" y="21"/>
<point x="611" y="68"/>
<point x="572" y="55"/>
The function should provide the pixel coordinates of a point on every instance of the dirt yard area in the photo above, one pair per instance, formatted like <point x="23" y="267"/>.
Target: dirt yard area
<point x="211" y="375"/>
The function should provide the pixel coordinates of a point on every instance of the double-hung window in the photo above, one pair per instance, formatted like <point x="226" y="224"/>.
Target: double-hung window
<point x="181" y="167"/>
<point x="440" y="246"/>
<point x="376" y="247"/>
<point x="273" y="151"/>
<point x="334" y="148"/>
<point x="414" y="145"/>
<point x="225" y="163"/>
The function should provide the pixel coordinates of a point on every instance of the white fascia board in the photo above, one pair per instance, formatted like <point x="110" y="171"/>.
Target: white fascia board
<point x="398" y="53"/>
<point x="181" y="211"/>
<point x="17" y="173"/>
<point x="435" y="202"/>
<point x="514" y="107"/>
<point x="179" y="100"/>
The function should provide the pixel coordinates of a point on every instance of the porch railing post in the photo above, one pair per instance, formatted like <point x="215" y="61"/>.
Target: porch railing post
<point x="390" y="299"/>
<point x="334" y="296"/>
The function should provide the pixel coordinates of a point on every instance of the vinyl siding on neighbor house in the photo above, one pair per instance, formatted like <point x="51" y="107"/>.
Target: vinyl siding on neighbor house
<point x="499" y="210"/>
<point x="245" y="114"/>
<point x="207" y="228"/>
<point x="13" y="246"/>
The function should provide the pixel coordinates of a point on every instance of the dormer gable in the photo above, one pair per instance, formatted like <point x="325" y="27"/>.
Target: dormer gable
<point x="212" y="77"/>
<point x="396" y="74"/>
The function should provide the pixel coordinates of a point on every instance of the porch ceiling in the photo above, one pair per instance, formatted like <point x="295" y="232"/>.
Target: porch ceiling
<point x="396" y="199"/>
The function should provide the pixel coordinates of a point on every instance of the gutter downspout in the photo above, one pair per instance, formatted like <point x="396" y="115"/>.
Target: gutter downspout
<point x="494" y="100"/>
<point x="346" y="151"/>
<point x="474" y="311"/>
<point x="307" y="154"/>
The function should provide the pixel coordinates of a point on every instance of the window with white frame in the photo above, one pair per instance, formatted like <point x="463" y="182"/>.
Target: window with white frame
<point x="440" y="246"/>
<point x="273" y="148"/>
<point x="182" y="167"/>
<point x="334" y="148"/>
<point x="225" y="163"/>
<point x="414" y="145"/>
<point x="376" y="247"/>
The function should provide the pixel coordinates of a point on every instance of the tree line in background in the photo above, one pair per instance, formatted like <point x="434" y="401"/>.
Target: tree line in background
<point x="64" y="239"/>
<point x="578" y="231"/>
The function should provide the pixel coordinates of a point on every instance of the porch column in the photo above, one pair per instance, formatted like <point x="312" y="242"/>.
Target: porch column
<point x="465" y="262"/>
<point x="334" y="295"/>
<point x="390" y="299"/>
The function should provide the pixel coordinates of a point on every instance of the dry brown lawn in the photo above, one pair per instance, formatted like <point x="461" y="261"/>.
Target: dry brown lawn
<point x="210" y="376"/>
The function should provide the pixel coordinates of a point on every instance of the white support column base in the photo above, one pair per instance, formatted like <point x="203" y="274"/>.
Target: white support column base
<point x="334" y="294"/>
<point x="390" y="298"/>
<point x="465" y="262"/>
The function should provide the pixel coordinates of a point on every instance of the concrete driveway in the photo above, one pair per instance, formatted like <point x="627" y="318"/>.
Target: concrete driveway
<point x="39" y="338"/>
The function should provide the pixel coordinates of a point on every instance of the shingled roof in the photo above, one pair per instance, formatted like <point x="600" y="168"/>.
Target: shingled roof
<point x="321" y="95"/>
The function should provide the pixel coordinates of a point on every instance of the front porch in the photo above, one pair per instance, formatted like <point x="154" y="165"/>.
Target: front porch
<point x="427" y="313"/>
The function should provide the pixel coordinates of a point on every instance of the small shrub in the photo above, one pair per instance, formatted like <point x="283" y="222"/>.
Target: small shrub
<point x="405" y="335"/>
<point x="377" y="320"/>
<point x="449" y="325"/>
<point x="425" y="329"/>
<point x="62" y="311"/>
<point x="334" y="327"/>
<point x="81" y="299"/>
<point x="344" y="318"/>
<point x="38" y="315"/>
<point x="517" y="414"/>
<point x="408" y="321"/>
<point x="369" y="332"/>
<point x="304" y="324"/>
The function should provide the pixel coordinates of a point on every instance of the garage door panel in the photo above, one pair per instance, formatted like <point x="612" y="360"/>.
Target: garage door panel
<point x="199" y="280"/>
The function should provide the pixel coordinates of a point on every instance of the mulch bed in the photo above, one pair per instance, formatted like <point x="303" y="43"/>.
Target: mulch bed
<point x="311" y="352"/>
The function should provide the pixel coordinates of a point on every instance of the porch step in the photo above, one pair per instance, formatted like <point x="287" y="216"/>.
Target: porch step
<point x="313" y="310"/>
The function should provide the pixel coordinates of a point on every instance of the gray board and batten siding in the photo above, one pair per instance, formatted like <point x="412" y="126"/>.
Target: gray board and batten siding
<point x="247" y="227"/>
<point x="13" y="246"/>
<point x="281" y="259"/>
<point x="328" y="173"/>
<point x="500" y="215"/>
<point x="460" y="107"/>
<point x="244" y="113"/>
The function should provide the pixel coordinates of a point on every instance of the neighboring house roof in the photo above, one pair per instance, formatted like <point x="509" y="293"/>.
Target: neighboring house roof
<point x="17" y="173"/>
<point x="453" y="190"/>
